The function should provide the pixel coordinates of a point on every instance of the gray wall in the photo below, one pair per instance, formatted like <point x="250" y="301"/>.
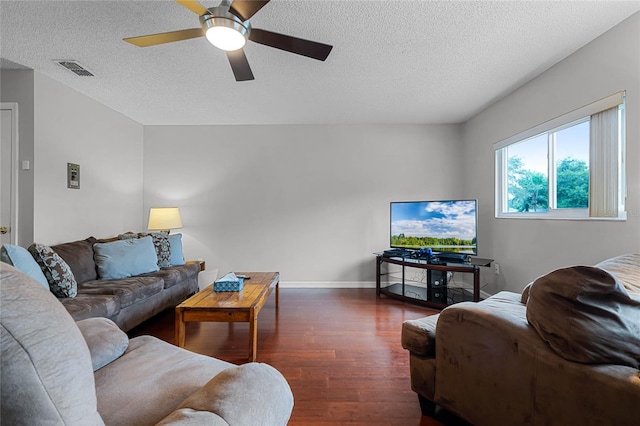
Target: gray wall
<point x="309" y="201"/>
<point x="312" y="201"/>
<point x="528" y="248"/>
<point x="17" y="86"/>
<point x="72" y="128"/>
<point x="59" y="125"/>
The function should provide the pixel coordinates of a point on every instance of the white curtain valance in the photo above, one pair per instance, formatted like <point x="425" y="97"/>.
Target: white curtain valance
<point x="585" y="111"/>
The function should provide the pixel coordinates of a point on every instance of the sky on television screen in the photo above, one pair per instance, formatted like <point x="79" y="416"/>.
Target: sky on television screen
<point x="440" y="219"/>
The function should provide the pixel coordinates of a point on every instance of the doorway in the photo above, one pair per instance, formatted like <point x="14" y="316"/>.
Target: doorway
<point x="9" y="173"/>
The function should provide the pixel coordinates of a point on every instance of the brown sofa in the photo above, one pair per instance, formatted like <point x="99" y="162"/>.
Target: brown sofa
<point x="565" y="351"/>
<point x="127" y="299"/>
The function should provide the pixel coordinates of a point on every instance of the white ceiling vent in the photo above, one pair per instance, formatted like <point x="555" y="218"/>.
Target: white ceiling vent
<point x="74" y="67"/>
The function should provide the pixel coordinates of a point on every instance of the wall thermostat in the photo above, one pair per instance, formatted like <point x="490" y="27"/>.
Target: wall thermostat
<point x="73" y="176"/>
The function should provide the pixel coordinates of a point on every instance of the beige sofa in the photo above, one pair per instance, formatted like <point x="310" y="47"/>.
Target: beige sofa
<point x="55" y="371"/>
<point x="566" y="351"/>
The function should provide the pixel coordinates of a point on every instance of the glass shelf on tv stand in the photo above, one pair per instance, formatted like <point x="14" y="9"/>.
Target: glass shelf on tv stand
<point x="425" y="282"/>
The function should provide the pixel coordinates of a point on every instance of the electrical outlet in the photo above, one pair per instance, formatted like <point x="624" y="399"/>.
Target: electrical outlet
<point x="496" y="268"/>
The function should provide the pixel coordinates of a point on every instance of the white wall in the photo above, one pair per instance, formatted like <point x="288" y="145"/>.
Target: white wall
<point x="309" y="201"/>
<point x="526" y="249"/>
<point x="70" y="127"/>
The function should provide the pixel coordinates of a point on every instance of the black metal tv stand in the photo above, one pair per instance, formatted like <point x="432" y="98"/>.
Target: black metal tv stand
<point x="437" y="292"/>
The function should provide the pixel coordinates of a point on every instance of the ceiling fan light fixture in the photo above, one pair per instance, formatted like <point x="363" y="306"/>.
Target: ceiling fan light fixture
<point x="226" y="34"/>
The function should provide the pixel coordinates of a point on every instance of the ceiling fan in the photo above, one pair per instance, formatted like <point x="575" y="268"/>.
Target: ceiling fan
<point x="227" y="27"/>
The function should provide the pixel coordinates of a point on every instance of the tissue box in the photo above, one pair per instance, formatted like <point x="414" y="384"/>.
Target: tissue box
<point x="229" y="282"/>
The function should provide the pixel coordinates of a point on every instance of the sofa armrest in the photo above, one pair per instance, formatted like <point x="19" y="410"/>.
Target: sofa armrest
<point x="191" y="417"/>
<point x="105" y="340"/>
<point x="492" y="367"/>
<point x="251" y="394"/>
<point x="419" y="336"/>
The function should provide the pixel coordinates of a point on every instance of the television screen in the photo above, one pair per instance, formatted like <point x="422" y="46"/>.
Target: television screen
<point x="442" y="226"/>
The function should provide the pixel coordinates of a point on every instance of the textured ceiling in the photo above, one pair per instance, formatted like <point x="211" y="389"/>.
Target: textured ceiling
<point x="392" y="61"/>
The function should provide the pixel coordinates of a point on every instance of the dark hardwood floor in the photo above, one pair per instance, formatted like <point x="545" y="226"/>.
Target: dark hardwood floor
<point x="339" y="349"/>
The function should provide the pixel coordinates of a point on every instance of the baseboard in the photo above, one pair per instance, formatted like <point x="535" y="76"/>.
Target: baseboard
<point x="345" y="284"/>
<point x="327" y="284"/>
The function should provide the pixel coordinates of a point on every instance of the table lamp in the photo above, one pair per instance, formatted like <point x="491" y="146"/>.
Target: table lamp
<point x="164" y="219"/>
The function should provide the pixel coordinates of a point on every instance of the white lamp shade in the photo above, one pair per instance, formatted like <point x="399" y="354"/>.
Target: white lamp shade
<point x="163" y="218"/>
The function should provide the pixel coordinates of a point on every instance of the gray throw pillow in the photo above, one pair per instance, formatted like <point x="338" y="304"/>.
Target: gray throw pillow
<point x="61" y="280"/>
<point x="162" y="246"/>
<point x="105" y="340"/>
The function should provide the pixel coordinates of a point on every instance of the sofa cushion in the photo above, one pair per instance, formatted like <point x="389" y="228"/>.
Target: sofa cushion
<point x="85" y="306"/>
<point x="125" y="258"/>
<point x="419" y="335"/>
<point x="149" y="364"/>
<point x="585" y="314"/>
<point x="175" y="274"/>
<point x="79" y="257"/>
<point x="129" y="290"/>
<point x="46" y="373"/>
<point x="60" y="277"/>
<point x="626" y="268"/>
<point x="524" y="297"/>
<point x="20" y="258"/>
<point x="105" y="340"/>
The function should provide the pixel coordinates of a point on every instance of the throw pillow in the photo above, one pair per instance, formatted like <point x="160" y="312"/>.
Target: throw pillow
<point x="162" y="246"/>
<point x="125" y="258"/>
<point x="177" y="256"/>
<point x="585" y="315"/>
<point x="127" y="236"/>
<point x="61" y="280"/>
<point x="105" y="340"/>
<point x="24" y="262"/>
<point x="160" y="243"/>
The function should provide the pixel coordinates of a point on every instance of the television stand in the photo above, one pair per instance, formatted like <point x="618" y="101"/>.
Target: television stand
<point x="435" y="289"/>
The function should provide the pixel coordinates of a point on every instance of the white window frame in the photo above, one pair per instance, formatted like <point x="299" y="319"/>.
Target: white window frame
<point x="567" y="120"/>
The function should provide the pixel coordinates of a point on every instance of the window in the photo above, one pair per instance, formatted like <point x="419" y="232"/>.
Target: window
<point x="571" y="167"/>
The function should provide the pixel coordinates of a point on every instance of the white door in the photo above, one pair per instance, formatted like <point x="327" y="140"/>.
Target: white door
<point x="8" y="173"/>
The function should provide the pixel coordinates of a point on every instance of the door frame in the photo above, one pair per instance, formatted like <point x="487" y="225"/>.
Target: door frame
<point x="14" y="172"/>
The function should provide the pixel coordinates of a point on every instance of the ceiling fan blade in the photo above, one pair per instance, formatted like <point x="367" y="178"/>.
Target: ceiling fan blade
<point x="153" y="39"/>
<point x="193" y="6"/>
<point x="240" y="65"/>
<point x="296" y="45"/>
<point x="245" y="9"/>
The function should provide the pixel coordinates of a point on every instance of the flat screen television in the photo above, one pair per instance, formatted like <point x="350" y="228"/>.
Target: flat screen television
<point x="443" y="226"/>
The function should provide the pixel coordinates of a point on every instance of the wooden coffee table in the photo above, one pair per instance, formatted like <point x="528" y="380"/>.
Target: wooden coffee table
<point x="231" y="306"/>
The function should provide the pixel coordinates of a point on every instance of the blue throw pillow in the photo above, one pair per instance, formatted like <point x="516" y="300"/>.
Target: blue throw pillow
<point x="125" y="258"/>
<point x="24" y="262"/>
<point x="177" y="257"/>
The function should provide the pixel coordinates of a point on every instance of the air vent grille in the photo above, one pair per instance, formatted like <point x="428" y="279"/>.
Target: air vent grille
<point x="75" y="68"/>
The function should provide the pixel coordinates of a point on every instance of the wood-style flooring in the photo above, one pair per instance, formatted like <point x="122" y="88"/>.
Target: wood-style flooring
<point x="339" y="349"/>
